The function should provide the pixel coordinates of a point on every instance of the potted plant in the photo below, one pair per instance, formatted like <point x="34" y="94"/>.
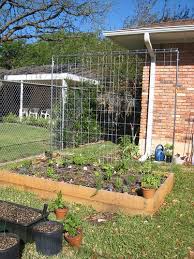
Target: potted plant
<point x="60" y="208"/>
<point x="73" y="232"/>
<point x="9" y="246"/>
<point x="150" y="183"/>
<point x="168" y="149"/>
<point x="48" y="237"/>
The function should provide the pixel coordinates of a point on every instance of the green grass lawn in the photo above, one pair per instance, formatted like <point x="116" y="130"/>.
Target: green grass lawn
<point x="168" y="234"/>
<point x="19" y="140"/>
<point x="94" y="150"/>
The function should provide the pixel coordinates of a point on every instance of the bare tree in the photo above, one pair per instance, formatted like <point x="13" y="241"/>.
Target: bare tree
<point x="24" y="19"/>
<point x="149" y="11"/>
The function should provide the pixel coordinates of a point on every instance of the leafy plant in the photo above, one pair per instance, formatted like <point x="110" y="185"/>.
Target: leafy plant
<point x="51" y="173"/>
<point x="128" y="148"/>
<point x="26" y="164"/>
<point x="79" y="160"/>
<point x="108" y="171"/>
<point x="59" y="203"/>
<point x="150" y="181"/>
<point x="118" y="183"/>
<point x="122" y="165"/>
<point x="71" y="224"/>
<point x="168" y="149"/>
<point x="146" y="167"/>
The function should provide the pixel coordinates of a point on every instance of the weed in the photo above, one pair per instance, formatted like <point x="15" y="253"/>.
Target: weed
<point x="51" y="173"/>
<point x="118" y="184"/>
<point x="108" y="171"/>
<point x="98" y="180"/>
<point x="79" y="160"/>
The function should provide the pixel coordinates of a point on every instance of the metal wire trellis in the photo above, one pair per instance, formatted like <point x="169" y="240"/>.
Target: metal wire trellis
<point x="102" y="95"/>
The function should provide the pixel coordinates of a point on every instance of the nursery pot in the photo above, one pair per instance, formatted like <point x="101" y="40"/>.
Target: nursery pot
<point x="12" y="251"/>
<point x="148" y="193"/>
<point x="48" y="242"/>
<point x="168" y="159"/>
<point x="75" y="240"/>
<point x="61" y="213"/>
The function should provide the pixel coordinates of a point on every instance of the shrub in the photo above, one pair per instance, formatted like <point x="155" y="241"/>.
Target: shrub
<point x="39" y="122"/>
<point x="11" y="118"/>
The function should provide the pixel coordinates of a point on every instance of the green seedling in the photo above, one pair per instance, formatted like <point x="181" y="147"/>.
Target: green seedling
<point x="118" y="183"/>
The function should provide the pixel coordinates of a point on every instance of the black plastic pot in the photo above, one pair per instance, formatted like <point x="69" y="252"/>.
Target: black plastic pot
<point x="13" y="251"/>
<point x="24" y="231"/>
<point x="48" y="243"/>
<point x="168" y="159"/>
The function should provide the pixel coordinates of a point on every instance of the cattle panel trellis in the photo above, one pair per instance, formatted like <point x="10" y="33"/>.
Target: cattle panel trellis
<point x="103" y="96"/>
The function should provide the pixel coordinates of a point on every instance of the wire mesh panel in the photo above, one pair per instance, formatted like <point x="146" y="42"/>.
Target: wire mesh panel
<point x="101" y="97"/>
<point x="24" y="120"/>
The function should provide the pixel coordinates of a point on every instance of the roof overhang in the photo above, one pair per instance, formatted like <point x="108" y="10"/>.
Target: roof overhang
<point x="134" y="38"/>
<point x="49" y="77"/>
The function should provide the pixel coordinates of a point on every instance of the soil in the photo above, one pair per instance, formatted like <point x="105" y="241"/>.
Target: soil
<point x="82" y="175"/>
<point x="7" y="242"/>
<point x="47" y="227"/>
<point x="16" y="214"/>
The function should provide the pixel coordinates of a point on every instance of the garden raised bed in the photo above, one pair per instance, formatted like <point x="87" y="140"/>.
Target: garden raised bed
<point x="20" y="219"/>
<point x="102" y="200"/>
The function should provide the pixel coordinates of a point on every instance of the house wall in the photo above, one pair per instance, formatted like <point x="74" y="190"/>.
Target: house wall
<point x="164" y="100"/>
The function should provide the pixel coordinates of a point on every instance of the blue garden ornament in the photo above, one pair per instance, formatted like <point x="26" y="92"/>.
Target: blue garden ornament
<point x="159" y="153"/>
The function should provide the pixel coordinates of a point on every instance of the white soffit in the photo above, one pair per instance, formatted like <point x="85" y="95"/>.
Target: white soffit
<point x="134" y="38"/>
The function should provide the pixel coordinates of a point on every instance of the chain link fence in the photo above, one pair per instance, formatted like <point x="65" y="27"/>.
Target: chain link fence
<point x="24" y="119"/>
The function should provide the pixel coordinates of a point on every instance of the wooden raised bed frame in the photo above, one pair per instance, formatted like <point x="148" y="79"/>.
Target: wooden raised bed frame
<point x="102" y="201"/>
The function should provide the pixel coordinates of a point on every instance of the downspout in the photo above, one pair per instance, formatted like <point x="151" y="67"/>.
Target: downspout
<point x="148" y="143"/>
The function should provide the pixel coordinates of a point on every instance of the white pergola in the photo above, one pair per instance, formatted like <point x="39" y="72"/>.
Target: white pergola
<point x="46" y="79"/>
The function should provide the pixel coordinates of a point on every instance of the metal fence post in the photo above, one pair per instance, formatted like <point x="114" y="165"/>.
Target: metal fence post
<point x="21" y="100"/>
<point x="64" y="95"/>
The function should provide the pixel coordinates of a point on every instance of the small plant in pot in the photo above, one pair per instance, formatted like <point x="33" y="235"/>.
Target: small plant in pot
<point x="60" y="208"/>
<point x="168" y="149"/>
<point x="150" y="183"/>
<point x="9" y="246"/>
<point x="73" y="231"/>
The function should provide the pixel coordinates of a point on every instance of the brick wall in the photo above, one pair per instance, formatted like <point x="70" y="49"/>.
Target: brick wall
<point x="164" y="99"/>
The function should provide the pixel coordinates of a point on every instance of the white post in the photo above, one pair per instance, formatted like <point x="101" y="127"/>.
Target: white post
<point x="21" y="100"/>
<point x="64" y="95"/>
